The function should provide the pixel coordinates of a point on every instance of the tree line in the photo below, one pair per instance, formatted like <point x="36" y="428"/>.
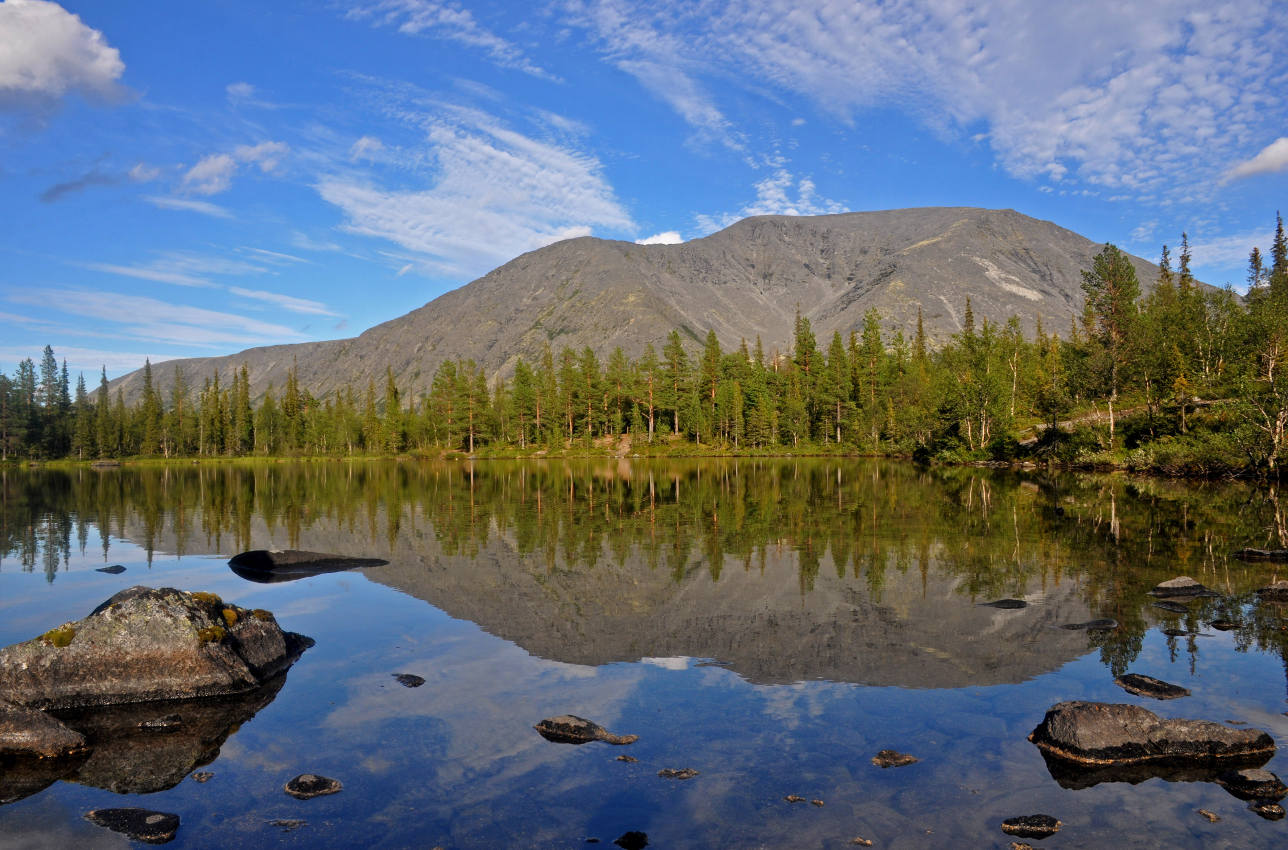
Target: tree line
<point x="1185" y="373"/>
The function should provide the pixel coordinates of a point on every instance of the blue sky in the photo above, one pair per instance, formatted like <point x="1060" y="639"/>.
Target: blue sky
<point x="188" y="179"/>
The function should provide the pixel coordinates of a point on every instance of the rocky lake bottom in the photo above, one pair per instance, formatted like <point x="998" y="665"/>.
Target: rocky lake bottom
<point x="766" y="629"/>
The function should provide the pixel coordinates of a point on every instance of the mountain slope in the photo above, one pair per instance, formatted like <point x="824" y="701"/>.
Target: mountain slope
<point x="746" y="281"/>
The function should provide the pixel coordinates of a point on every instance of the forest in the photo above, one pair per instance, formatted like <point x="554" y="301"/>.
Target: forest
<point x="1184" y="380"/>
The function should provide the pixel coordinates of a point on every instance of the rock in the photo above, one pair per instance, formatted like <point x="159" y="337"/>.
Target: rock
<point x="892" y="758"/>
<point x="25" y="732"/>
<point x="677" y="773"/>
<point x="1176" y="632"/>
<point x="1277" y="592"/>
<point x="818" y="803"/>
<point x="306" y="786"/>
<point x="1253" y="784"/>
<point x="1093" y="733"/>
<point x="1268" y="809"/>
<point x="627" y="759"/>
<point x="23" y="776"/>
<point x="1181" y="586"/>
<point x="632" y="840"/>
<point x="1020" y="845"/>
<point x="144" y="645"/>
<point x="288" y="824"/>
<point x="140" y="824"/>
<point x="114" y="570"/>
<point x="409" y="680"/>
<point x="861" y="841"/>
<point x="202" y="776"/>
<point x="570" y="729"/>
<point x="1212" y="817"/>
<point x="1006" y="604"/>
<point x="1031" y="826"/>
<point x="794" y="798"/>
<point x="267" y="566"/>
<point x="1148" y="686"/>
<point x="1224" y="625"/>
<point x="1174" y="607"/>
<point x="1262" y="555"/>
<point x="1104" y="624"/>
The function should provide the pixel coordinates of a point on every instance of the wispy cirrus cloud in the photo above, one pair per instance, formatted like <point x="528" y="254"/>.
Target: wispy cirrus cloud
<point x="780" y="193"/>
<point x="286" y="302"/>
<point x="181" y="268"/>
<point x="447" y="21"/>
<point x="188" y="205"/>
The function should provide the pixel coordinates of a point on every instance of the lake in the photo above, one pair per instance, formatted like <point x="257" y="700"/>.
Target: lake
<point x="771" y="624"/>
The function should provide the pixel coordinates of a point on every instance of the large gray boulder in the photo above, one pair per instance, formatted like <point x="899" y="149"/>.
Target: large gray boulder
<point x="1113" y="734"/>
<point x="148" y="644"/>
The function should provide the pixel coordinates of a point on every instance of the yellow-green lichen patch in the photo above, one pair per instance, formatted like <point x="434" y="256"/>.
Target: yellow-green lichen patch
<point x="59" y="637"/>
<point x="207" y="598"/>
<point x="211" y="634"/>
<point x="261" y="614"/>
<point x="230" y="616"/>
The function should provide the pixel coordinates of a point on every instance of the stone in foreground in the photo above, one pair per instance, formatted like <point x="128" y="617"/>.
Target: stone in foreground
<point x="1253" y="784"/>
<point x="275" y="565"/>
<point x="1148" y="686"/>
<point x="570" y="729"/>
<point x="893" y="758"/>
<point x="306" y="786"/>
<point x="1181" y="587"/>
<point x="1031" y="826"/>
<point x="1097" y="734"/>
<point x="140" y="824"/>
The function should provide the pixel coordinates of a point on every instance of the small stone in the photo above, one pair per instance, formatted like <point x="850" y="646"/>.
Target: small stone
<point x="627" y="759"/>
<point x="677" y="773"/>
<point x="1212" y="817"/>
<point x="1006" y="604"/>
<point x="114" y="570"/>
<point x="1031" y="826"/>
<point x="794" y="798"/>
<point x="571" y="729"/>
<point x="893" y="758"/>
<point x="1021" y="845"/>
<point x="1148" y="686"/>
<point x="1102" y="625"/>
<point x="409" y="680"/>
<point x="818" y="803"/>
<point x="140" y="824"/>
<point x="1253" y="784"/>
<point x="1268" y="809"/>
<point x="202" y="776"/>
<point x="862" y="842"/>
<point x="1174" y="607"/>
<point x="169" y="723"/>
<point x="1224" y="625"/>
<point x="632" y="840"/>
<point x="307" y="786"/>
<point x="288" y="824"/>
<point x="1176" y="633"/>
<point x="1181" y="586"/>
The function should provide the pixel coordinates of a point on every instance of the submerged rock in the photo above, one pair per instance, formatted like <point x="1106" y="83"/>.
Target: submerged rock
<point x="1148" y="686"/>
<point x="570" y="729"/>
<point x="1268" y="809"/>
<point x="893" y="758"/>
<point x="1106" y="734"/>
<point x="1031" y="826"/>
<point x="1277" y="592"/>
<point x="1262" y="555"/>
<point x="146" y="644"/>
<point x="632" y="840"/>
<point x="1101" y="625"/>
<point x="306" y="786"/>
<point x="114" y="570"/>
<point x="140" y="824"/>
<point x="1181" y="586"/>
<point x="677" y="773"/>
<point x="409" y="680"/>
<point x="1224" y="625"/>
<point x="273" y="565"/>
<point x="1174" y="607"/>
<point x="1006" y="604"/>
<point x="1253" y="784"/>
<point x="1178" y="633"/>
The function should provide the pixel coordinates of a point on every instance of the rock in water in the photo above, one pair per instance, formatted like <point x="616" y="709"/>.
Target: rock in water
<point x="1148" y="686"/>
<point x="632" y="840"/>
<point x="1277" y="592"/>
<point x="140" y="824"/>
<point x="677" y="773"/>
<point x="1174" y="607"/>
<point x="114" y="570"/>
<point x="1181" y="586"/>
<point x="893" y="758"/>
<point x="1268" y="809"/>
<point x="273" y="565"/>
<point x="570" y="729"/>
<point x="1031" y="826"/>
<point x="31" y="733"/>
<point x="409" y="680"/>
<point x="306" y="786"/>
<point x="1006" y="604"/>
<point x="1224" y="625"/>
<point x="1095" y="733"/>
<point x="1253" y="784"/>
<point x="146" y="644"/>
<point x="1262" y="555"/>
<point x="1102" y="625"/>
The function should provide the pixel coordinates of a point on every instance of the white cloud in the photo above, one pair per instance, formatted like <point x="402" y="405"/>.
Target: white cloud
<point x="365" y="147"/>
<point x="144" y="173"/>
<point x="159" y="321"/>
<point x="774" y="197"/>
<point x="46" y="52"/>
<point x="158" y="275"/>
<point x="267" y="155"/>
<point x="305" y="242"/>
<point x="211" y="175"/>
<point x="277" y="257"/>
<point x="89" y="360"/>
<point x="496" y="193"/>
<point x="239" y="91"/>
<point x="1272" y="158"/>
<point x="286" y="302"/>
<point x="188" y="205"/>
<point x="669" y="237"/>
<point x="1228" y="251"/>
<point x="180" y="268"/>
<point x="448" y="21"/>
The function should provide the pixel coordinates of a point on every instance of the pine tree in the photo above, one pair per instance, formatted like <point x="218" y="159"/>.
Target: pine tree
<point x="1112" y="293"/>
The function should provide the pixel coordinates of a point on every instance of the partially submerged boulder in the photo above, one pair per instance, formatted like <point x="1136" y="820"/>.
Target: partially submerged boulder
<point x="274" y="565"/>
<point x="146" y="644"/>
<point x="1181" y="587"/>
<point x="1148" y="686"/>
<point x="1277" y="592"/>
<point x="1253" y="784"/>
<point x="140" y="824"/>
<point x="1262" y="555"/>
<point x="570" y="729"/>
<point x="1032" y="826"/>
<point x="1099" y="734"/>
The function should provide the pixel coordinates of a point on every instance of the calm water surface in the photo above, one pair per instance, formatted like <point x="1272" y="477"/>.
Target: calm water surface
<point x="771" y="624"/>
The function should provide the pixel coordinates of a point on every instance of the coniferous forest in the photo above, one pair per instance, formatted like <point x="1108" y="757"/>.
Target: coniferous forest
<point x="1184" y="380"/>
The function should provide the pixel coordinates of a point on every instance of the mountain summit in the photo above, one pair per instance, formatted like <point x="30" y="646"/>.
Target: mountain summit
<point x="744" y="282"/>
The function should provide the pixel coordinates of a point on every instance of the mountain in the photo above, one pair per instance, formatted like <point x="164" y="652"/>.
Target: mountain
<point x="744" y="282"/>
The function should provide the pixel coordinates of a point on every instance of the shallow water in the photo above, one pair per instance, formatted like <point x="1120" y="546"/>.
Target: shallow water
<point x="771" y="624"/>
